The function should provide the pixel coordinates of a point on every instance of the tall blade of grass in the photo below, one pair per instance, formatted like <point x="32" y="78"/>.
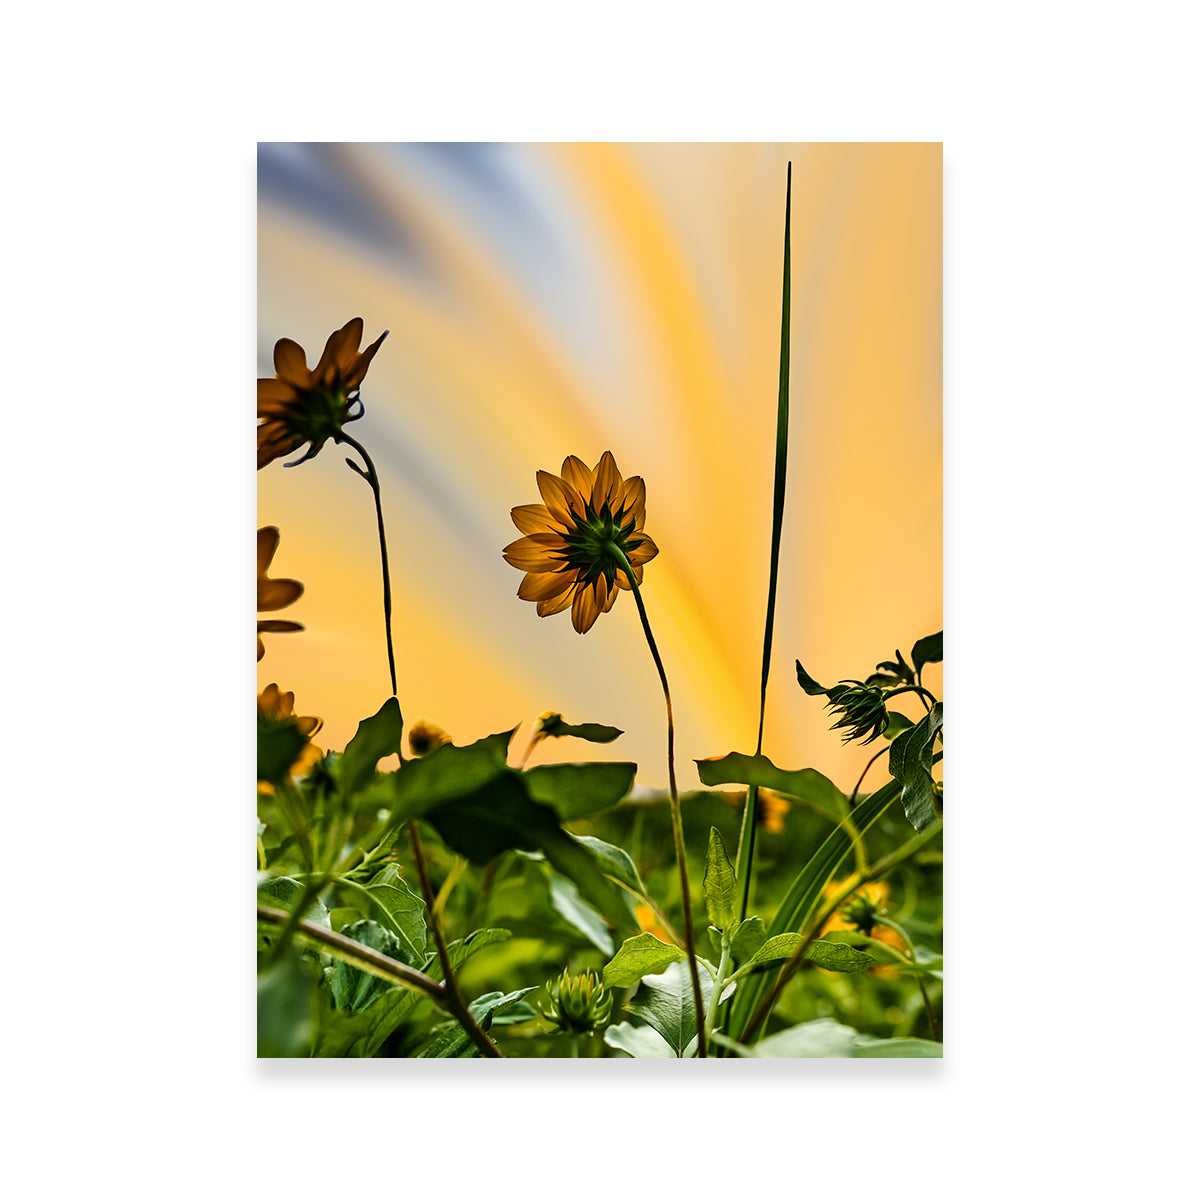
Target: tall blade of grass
<point x="745" y="856"/>
<point x="800" y="904"/>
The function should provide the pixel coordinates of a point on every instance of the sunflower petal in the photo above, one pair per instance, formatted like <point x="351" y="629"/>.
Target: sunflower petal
<point x="275" y="626"/>
<point x="268" y="543"/>
<point x="274" y="396"/>
<point x="261" y="649"/>
<point x="555" y="604"/>
<point x="290" y="363"/>
<point x="584" y="609"/>
<point x="643" y="553"/>
<point x="274" y="594"/>
<point x="544" y="585"/>
<point x="633" y="500"/>
<point x="563" y="501"/>
<point x="607" y="486"/>
<point x="611" y="598"/>
<point x="534" y="552"/>
<point x="577" y="474"/>
<point x="535" y="518"/>
<point x="356" y="373"/>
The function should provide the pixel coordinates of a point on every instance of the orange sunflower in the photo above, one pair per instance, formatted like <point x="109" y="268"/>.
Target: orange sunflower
<point x="300" y="405"/>
<point x="273" y="594"/>
<point x="580" y="544"/>
<point x="278" y="708"/>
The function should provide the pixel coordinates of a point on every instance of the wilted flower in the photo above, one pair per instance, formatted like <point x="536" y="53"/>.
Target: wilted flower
<point x="300" y="405"/>
<point x="273" y="594"/>
<point x="577" y="1005"/>
<point x="577" y="542"/>
<point x="276" y="708"/>
<point x="425" y="736"/>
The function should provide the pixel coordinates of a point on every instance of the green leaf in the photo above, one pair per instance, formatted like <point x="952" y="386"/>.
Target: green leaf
<point x="808" y="683"/>
<point x="552" y="725"/>
<point x="278" y="747"/>
<point x="449" y="772"/>
<point x="927" y="650"/>
<point x="757" y="770"/>
<point x="463" y="948"/>
<point x="354" y="989"/>
<point x="830" y="955"/>
<point x="822" y="1038"/>
<point x="569" y="905"/>
<point x="904" y="1047"/>
<point x="284" y="893"/>
<point x="897" y="724"/>
<point x="576" y="790"/>
<point x="638" y="1041"/>
<point x="720" y="883"/>
<point x="665" y="1002"/>
<point x="404" y="911"/>
<point x="360" y="1034"/>
<point x="454" y="1042"/>
<point x="377" y="737"/>
<point x="746" y="941"/>
<point x="613" y="861"/>
<point x="910" y="760"/>
<point x="639" y="956"/>
<point x="286" y="1009"/>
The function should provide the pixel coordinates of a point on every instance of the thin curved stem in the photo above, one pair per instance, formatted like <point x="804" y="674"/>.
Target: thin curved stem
<point x="689" y="932"/>
<point x="455" y="1000"/>
<point x="373" y="479"/>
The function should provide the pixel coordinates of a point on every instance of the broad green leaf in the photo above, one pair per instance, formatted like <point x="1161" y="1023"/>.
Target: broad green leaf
<point x="404" y="911"/>
<point x="284" y="893"/>
<point x="552" y="725"/>
<point x="613" y="861"/>
<point x="354" y="989"/>
<point x="927" y="650"/>
<point x="576" y="790"/>
<point x="360" y="1034"/>
<point x="749" y="937"/>
<point x="822" y="1038"/>
<point x="569" y="905"/>
<point x="447" y="773"/>
<point x="376" y="738"/>
<point x="807" y="682"/>
<point x="904" y="1047"/>
<point x="910" y="759"/>
<point x="720" y="883"/>
<point x="833" y="956"/>
<point x="757" y="770"/>
<point x="897" y="724"/>
<point x="286" y="1009"/>
<point x="278" y="747"/>
<point x="463" y="948"/>
<point x="638" y="1041"/>
<point x="454" y="1042"/>
<point x="665" y="1002"/>
<point x="639" y="956"/>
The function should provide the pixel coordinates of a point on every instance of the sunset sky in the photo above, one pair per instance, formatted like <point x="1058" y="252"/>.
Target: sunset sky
<point x="555" y="299"/>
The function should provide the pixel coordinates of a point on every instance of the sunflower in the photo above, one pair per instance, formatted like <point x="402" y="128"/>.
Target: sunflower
<point x="273" y="594"/>
<point x="577" y="544"/>
<point x="425" y="737"/>
<point x="300" y="405"/>
<point x="278" y="708"/>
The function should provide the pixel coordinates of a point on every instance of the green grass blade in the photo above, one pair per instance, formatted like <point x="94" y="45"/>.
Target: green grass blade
<point x="745" y="857"/>
<point x="800" y="904"/>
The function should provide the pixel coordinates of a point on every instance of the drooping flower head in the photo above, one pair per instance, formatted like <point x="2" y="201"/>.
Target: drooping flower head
<point x="276" y="709"/>
<point x="300" y="405"/>
<point x="571" y="543"/>
<point x="273" y="594"/>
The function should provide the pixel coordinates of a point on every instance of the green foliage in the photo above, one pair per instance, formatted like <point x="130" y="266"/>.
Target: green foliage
<point x="910" y="760"/>
<point x="638" y="957"/>
<point x="664" y="1002"/>
<point x="553" y="725"/>
<point x="376" y="738"/>
<point x="720" y="884"/>
<point x="758" y="770"/>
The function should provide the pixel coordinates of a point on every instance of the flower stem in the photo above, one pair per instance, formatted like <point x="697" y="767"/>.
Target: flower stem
<point x="373" y="479"/>
<point x="454" y="997"/>
<point x="689" y="933"/>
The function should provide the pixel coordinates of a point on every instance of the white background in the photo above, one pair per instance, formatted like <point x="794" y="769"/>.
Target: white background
<point x="1071" y="395"/>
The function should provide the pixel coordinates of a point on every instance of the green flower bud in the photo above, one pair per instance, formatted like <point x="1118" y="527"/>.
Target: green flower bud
<point x="577" y="1005"/>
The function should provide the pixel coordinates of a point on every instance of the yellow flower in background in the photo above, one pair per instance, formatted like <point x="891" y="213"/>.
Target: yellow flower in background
<point x="278" y="708"/>
<point x="300" y="405"/>
<point x="648" y="922"/>
<point x="273" y="594"/>
<point x="855" y="913"/>
<point x="424" y="737"/>
<point x="576" y="543"/>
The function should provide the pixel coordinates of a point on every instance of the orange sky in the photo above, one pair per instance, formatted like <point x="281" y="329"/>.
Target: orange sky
<point x="546" y="300"/>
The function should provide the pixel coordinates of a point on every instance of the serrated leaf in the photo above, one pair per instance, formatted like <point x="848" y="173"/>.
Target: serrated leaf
<point x="910" y="762"/>
<point x="638" y="957"/>
<point x="927" y="650"/>
<point x="720" y="883"/>
<point x="403" y="910"/>
<point x="576" y="790"/>
<point x="361" y="1034"/>
<point x="833" y="956"/>
<point x="376" y="738"/>
<point x="666" y="1003"/>
<point x="353" y="989"/>
<point x="638" y="1041"/>
<point x="808" y="683"/>
<point x="567" y="902"/>
<point x="749" y="937"/>
<point x="284" y="893"/>
<point x="757" y="770"/>
<point x="554" y="726"/>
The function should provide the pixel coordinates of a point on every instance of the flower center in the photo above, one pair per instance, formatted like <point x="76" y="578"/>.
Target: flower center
<point x="596" y="544"/>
